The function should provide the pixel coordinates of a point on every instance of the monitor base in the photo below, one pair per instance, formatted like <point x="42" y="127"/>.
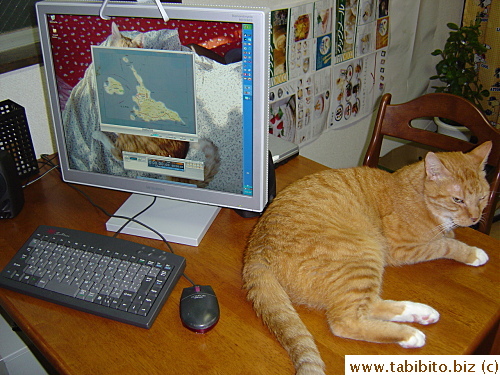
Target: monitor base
<point x="178" y="221"/>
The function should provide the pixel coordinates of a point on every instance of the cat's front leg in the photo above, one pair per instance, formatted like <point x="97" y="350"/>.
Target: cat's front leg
<point x="461" y="252"/>
<point x="447" y="248"/>
<point x="481" y="257"/>
<point x="103" y="138"/>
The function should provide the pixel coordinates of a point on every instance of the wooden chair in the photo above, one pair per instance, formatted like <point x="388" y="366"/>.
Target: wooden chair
<point x="394" y="120"/>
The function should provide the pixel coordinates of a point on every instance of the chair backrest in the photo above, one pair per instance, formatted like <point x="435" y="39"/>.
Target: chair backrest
<point x="395" y="120"/>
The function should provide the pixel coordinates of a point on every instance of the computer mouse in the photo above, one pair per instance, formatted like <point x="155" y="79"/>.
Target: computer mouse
<point x="199" y="308"/>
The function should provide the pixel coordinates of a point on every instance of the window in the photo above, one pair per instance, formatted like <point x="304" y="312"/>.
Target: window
<point x="17" y="15"/>
<point x="19" y="45"/>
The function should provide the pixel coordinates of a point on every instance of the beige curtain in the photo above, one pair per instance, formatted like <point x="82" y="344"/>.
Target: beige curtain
<point x="418" y="28"/>
<point x="489" y="64"/>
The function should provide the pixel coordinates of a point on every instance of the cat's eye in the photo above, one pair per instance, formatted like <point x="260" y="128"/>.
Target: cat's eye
<point x="458" y="200"/>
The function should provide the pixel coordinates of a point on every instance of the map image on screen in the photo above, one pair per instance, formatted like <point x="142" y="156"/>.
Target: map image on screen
<point x="133" y="92"/>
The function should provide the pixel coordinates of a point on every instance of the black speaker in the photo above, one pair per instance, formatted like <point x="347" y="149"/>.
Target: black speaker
<point x="11" y="191"/>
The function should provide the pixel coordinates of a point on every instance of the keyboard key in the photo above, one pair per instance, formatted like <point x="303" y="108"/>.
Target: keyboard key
<point x="91" y="296"/>
<point x="66" y="289"/>
<point x="115" y="303"/>
<point x="134" y="307"/>
<point x="124" y="305"/>
<point x="98" y="299"/>
<point x="127" y="295"/>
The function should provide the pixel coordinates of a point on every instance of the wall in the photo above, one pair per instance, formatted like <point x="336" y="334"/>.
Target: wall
<point x="26" y="88"/>
<point x="417" y="28"/>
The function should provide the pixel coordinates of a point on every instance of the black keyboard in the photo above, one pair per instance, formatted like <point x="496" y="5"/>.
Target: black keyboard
<point x="105" y="276"/>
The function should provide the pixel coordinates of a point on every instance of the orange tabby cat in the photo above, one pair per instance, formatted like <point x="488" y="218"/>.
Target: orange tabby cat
<point x="325" y="240"/>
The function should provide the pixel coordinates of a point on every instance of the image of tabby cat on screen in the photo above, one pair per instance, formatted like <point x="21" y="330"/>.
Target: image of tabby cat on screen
<point x="90" y="148"/>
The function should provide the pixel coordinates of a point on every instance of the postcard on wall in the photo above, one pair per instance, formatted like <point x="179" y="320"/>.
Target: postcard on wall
<point x="361" y="27"/>
<point x="283" y="111"/>
<point x="345" y="29"/>
<point x="300" y="41"/>
<point x="279" y="36"/>
<point x="353" y="90"/>
<point x="323" y="21"/>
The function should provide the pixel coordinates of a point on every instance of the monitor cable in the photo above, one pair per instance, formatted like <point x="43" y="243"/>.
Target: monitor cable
<point x="46" y="161"/>
<point x="127" y="219"/>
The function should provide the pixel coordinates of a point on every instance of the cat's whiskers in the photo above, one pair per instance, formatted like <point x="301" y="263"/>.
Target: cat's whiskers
<point x="443" y="227"/>
<point x="482" y="218"/>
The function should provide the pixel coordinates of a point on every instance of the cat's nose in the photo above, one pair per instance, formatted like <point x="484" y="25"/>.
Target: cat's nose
<point x="474" y="219"/>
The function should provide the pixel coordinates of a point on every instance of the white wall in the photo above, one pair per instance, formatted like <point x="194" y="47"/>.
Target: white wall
<point x="26" y="88"/>
<point x="417" y="28"/>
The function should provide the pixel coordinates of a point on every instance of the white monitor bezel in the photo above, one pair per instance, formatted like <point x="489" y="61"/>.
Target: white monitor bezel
<point x="259" y="17"/>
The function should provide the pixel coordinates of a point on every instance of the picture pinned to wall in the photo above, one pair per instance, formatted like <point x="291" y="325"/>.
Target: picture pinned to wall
<point x="353" y="90"/>
<point x="279" y="33"/>
<point x="301" y="41"/>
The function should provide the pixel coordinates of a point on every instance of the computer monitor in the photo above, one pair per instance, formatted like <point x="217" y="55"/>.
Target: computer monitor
<point x="173" y="109"/>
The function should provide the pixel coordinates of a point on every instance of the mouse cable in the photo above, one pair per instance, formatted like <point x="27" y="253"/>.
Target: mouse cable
<point x="131" y="219"/>
<point x="128" y="219"/>
<point x="134" y="217"/>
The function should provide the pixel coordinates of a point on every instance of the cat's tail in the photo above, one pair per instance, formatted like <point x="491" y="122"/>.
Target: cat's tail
<point x="273" y="305"/>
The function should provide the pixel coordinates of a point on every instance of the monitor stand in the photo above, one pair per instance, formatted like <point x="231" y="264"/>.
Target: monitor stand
<point x="178" y="221"/>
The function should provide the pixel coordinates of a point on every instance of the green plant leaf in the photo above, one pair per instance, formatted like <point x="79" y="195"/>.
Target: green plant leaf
<point x="457" y="68"/>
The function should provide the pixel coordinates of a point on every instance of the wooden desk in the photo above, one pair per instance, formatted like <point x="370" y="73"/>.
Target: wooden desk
<point x="79" y="343"/>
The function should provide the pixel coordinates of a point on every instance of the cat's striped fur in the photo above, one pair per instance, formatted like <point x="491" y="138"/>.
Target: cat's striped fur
<point x="325" y="240"/>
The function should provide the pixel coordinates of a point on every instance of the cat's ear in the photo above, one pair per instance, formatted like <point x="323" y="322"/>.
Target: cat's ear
<point x="115" y="32"/>
<point x="482" y="152"/>
<point x="434" y="169"/>
<point x="138" y="41"/>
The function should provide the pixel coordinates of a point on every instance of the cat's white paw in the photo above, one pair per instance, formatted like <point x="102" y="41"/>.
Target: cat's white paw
<point x="103" y="138"/>
<point x="481" y="258"/>
<point x="417" y="313"/>
<point x="417" y="340"/>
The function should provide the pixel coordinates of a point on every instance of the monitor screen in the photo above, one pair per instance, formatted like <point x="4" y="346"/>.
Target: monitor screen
<point x="175" y="109"/>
